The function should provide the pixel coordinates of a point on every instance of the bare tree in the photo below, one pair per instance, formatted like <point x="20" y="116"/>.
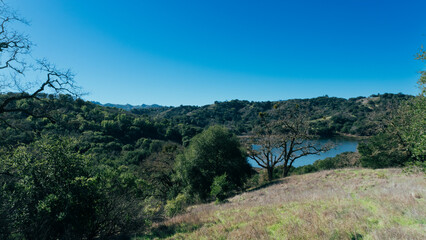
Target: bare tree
<point x="283" y="137"/>
<point x="23" y="77"/>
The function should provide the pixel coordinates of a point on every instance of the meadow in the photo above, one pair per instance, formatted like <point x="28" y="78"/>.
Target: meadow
<point x="352" y="203"/>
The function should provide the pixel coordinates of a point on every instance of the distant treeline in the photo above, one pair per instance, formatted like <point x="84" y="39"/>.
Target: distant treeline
<point x="330" y="116"/>
<point x="360" y="116"/>
<point x="112" y="132"/>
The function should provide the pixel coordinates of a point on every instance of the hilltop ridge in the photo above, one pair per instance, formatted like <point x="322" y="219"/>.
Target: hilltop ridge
<point x="128" y="107"/>
<point x="358" y="116"/>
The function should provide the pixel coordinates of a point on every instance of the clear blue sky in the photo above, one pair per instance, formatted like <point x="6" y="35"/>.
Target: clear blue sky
<point x="197" y="52"/>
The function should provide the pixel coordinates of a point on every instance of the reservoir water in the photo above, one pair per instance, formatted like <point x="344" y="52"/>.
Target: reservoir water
<point x="341" y="145"/>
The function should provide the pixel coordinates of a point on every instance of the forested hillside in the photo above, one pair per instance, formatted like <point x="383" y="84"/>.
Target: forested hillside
<point x="359" y="116"/>
<point x="362" y="116"/>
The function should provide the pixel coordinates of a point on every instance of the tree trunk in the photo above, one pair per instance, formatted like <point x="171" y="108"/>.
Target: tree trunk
<point x="270" y="173"/>
<point x="286" y="170"/>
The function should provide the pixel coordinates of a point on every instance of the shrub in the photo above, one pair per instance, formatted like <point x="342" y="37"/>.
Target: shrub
<point x="177" y="205"/>
<point x="212" y="153"/>
<point x="415" y="167"/>
<point x="253" y="181"/>
<point x="54" y="192"/>
<point x="346" y="159"/>
<point x="383" y="150"/>
<point x="221" y="188"/>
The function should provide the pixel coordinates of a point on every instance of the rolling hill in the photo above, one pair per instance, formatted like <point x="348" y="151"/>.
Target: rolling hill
<point x="334" y="204"/>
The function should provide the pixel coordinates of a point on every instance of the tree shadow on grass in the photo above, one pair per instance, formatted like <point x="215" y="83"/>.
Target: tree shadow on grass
<point x="164" y="231"/>
<point x="268" y="184"/>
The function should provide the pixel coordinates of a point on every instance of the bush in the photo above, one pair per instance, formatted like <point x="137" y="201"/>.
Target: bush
<point x="253" y="181"/>
<point x="403" y="140"/>
<point x="212" y="153"/>
<point x="221" y="188"/>
<point x="415" y="167"/>
<point x="346" y="159"/>
<point x="177" y="205"/>
<point x="53" y="192"/>
<point x="383" y="150"/>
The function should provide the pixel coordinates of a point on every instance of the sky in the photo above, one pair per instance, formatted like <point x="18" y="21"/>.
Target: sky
<point x="196" y="52"/>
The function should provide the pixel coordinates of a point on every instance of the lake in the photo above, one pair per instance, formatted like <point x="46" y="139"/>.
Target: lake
<point x="342" y="145"/>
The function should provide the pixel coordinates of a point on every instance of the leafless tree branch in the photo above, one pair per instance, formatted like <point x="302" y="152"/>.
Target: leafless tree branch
<point x="283" y="138"/>
<point x="23" y="76"/>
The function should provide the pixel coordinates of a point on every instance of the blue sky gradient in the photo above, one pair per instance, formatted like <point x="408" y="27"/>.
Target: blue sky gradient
<point x="197" y="52"/>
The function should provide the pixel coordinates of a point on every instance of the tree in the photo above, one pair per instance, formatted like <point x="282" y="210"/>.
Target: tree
<point x="416" y="133"/>
<point x="403" y="138"/>
<point x="158" y="170"/>
<point x="17" y="67"/>
<point x="383" y="150"/>
<point x="422" y="80"/>
<point x="283" y="140"/>
<point x="221" y="188"/>
<point x="49" y="191"/>
<point x="212" y="153"/>
<point x="409" y="122"/>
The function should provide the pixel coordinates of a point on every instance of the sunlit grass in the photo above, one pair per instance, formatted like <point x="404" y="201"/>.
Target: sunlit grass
<point x="335" y="204"/>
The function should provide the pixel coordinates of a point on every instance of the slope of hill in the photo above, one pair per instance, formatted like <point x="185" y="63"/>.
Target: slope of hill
<point x="335" y="204"/>
<point x="359" y="116"/>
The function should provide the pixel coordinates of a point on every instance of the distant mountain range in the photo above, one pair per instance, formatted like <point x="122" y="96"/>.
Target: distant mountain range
<point x="128" y="107"/>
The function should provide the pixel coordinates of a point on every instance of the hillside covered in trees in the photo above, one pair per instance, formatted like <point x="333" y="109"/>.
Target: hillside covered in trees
<point x="358" y="116"/>
<point x="329" y="116"/>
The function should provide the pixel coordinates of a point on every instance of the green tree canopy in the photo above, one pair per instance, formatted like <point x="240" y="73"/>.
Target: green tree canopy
<point x="49" y="191"/>
<point x="212" y="153"/>
<point x="404" y="138"/>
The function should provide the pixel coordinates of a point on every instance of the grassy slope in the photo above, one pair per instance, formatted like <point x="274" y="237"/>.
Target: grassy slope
<point x="336" y="204"/>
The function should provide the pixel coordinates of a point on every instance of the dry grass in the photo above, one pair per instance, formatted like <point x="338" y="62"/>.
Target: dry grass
<point x="335" y="204"/>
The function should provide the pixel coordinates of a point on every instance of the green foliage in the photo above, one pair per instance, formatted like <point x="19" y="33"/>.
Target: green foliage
<point x="415" y="167"/>
<point x="403" y="141"/>
<point x="221" y="188"/>
<point x="49" y="191"/>
<point x="343" y="160"/>
<point x="253" y="181"/>
<point x="422" y="80"/>
<point x="52" y="190"/>
<point x="120" y="148"/>
<point x="177" y="205"/>
<point x="383" y="150"/>
<point x="411" y="127"/>
<point x="212" y="153"/>
<point x="329" y="115"/>
<point x="157" y="170"/>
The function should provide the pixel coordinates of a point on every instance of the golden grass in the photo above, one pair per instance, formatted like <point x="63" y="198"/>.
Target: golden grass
<point x="335" y="204"/>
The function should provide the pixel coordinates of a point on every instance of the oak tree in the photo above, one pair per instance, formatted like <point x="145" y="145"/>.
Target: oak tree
<point x="282" y="137"/>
